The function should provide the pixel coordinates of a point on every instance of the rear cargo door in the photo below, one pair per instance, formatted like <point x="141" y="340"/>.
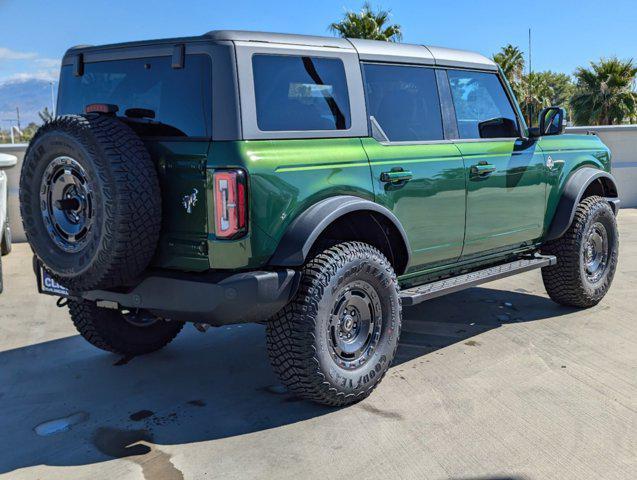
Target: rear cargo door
<point x="167" y="102"/>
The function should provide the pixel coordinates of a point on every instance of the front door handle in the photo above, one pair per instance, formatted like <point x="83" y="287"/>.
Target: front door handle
<point x="396" y="176"/>
<point x="483" y="169"/>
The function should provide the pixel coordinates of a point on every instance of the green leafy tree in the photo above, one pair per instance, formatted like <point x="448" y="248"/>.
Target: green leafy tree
<point x="538" y="92"/>
<point x="511" y="61"/>
<point x="369" y="24"/>
<point x="605" y="92"/>
<point x="563" y="88"/>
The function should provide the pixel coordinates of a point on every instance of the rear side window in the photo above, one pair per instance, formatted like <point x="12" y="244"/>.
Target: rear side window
<point x="179" y="98"/>
<point x="300" y="93"/>
<point x="404" y="101"/>
<point x="482" y="107"/>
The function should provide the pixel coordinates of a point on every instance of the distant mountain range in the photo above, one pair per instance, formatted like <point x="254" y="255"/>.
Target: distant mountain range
<point x="29" y="95"/>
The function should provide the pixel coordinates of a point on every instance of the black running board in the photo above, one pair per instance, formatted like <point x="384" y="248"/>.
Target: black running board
<point x="415" y="295"/>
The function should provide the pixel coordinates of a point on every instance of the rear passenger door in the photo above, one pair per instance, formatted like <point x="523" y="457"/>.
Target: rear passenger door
<point x="506" y="184"/>
<point x="417" y="173"/>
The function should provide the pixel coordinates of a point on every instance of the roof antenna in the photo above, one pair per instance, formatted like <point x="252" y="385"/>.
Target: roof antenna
<point x="530" y="65"/>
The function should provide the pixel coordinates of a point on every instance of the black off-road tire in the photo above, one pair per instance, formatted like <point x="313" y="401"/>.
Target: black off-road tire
<point x="108" y="330"/>
<point x="298" y="337"/>
<point x="126" y="201"/>
<point x="567" y="283"/>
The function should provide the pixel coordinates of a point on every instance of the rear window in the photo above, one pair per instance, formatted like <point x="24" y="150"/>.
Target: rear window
<point x="300" y="93"/>
<point x="180" y="98"/>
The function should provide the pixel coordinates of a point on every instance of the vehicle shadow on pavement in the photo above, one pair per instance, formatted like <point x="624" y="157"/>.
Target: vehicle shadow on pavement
<point x="66" y="403"/>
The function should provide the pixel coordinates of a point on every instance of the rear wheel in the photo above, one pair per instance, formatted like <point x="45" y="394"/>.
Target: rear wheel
<point x="334" y="343"/>
<point x="586" y="256"/>
<point x="133" y="332"/>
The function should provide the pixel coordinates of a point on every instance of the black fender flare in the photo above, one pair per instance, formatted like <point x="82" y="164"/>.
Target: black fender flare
<point x="574" y="189"/>
<point x="298" y="239"/>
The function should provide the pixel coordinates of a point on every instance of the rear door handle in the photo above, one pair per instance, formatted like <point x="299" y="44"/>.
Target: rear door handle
<point x="483" y="169"/>
<point x="396" y="176"/>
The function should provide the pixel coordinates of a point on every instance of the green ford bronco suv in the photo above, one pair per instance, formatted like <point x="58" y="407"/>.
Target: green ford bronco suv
<point x="317" y="185"/>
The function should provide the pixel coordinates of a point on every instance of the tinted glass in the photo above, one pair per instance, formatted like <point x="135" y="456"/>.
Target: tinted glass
<point x="300" y="93"/>
<point x="482" y="107"/>
<point x="179" y="97"/>
<point x="404" y="101"/>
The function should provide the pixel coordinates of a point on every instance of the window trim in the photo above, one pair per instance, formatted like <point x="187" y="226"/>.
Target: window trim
<point x="443" y="120"/>
<point x="250" y="128"/>
<point x="509" y="98"/>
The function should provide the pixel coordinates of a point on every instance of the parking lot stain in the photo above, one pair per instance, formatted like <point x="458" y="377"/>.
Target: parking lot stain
<point x="381" y="413"/>
<point x="141" y="415"/>
<point x="60" y="425"/>
<point x="124" y="360"/>
<point x="472" y="343"/>
<point x="163" y="420"/>
<point x="133" y="445"/>
<point x="275" y="389"/>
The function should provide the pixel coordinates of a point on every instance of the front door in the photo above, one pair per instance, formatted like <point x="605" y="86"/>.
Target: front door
<point x="506" y="175"/>
<point x="417" y="174"/>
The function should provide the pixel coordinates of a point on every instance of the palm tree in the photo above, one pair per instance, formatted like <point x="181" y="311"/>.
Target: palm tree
<point x="511" y="61"/>
<point x="538" y="92"/>
<point x="45" y="115"/>
<point x="605" y="92"/>
<point x="368" y="24"/>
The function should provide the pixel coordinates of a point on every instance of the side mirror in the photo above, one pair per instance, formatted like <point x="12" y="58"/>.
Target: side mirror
<point x="551" y="121"/>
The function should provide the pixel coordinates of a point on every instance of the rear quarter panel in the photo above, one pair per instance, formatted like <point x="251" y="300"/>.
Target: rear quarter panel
<point x="285" y="178"/>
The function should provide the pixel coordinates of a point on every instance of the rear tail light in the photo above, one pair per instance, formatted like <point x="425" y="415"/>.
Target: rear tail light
<point x="231" y="214"/>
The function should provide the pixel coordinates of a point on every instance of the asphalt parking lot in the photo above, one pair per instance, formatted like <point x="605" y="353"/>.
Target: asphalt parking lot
<point x="491" y="383"/>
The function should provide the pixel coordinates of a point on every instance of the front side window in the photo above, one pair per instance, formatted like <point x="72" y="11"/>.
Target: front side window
<point x="483" y="109"/>
<point x="404" y="102"/>
<point x="156" y="99"/>
<point x="299" y="93"/>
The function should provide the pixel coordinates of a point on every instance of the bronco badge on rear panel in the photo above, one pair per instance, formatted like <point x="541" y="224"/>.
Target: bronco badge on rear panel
<point x="189" y="201"/>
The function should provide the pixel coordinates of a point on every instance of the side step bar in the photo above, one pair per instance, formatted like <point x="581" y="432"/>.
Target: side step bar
<point x="415" y="295"/>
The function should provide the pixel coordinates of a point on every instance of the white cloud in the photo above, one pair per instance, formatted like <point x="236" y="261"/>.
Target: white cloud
<point x="21" y="77"/>
<point x="8" y="54"/>
<point x="48" y="63"/>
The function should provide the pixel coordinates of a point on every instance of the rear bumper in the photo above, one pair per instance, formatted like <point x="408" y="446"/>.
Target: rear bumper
<point x="212" y="298"/>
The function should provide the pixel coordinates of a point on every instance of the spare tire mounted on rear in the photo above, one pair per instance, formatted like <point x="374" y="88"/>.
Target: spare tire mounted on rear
<point x="90" y="201"/>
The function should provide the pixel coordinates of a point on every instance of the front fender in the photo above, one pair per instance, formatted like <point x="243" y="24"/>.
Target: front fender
<point x="296" y="243"/>
<point x="572" y="194"/>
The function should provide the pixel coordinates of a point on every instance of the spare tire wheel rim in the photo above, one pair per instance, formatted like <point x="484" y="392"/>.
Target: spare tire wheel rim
<point x="355" y="325"/>
<point x="66" y="201"/>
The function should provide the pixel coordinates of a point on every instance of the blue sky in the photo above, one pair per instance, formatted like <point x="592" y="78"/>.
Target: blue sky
<point x="566" y="34"/>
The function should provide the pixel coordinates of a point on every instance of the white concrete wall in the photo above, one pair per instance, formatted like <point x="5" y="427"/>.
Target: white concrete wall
<point x="622" y="141"/>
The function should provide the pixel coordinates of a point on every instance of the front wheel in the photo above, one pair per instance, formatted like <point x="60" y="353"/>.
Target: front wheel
<point x="586" y="256"/>
<point x="336" y="340"/>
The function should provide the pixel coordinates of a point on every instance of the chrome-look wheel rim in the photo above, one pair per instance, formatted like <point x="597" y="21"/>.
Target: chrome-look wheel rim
<point x="66" y="202"/>
<point x="596" y="252"/>
<point x="355" y="325"/>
